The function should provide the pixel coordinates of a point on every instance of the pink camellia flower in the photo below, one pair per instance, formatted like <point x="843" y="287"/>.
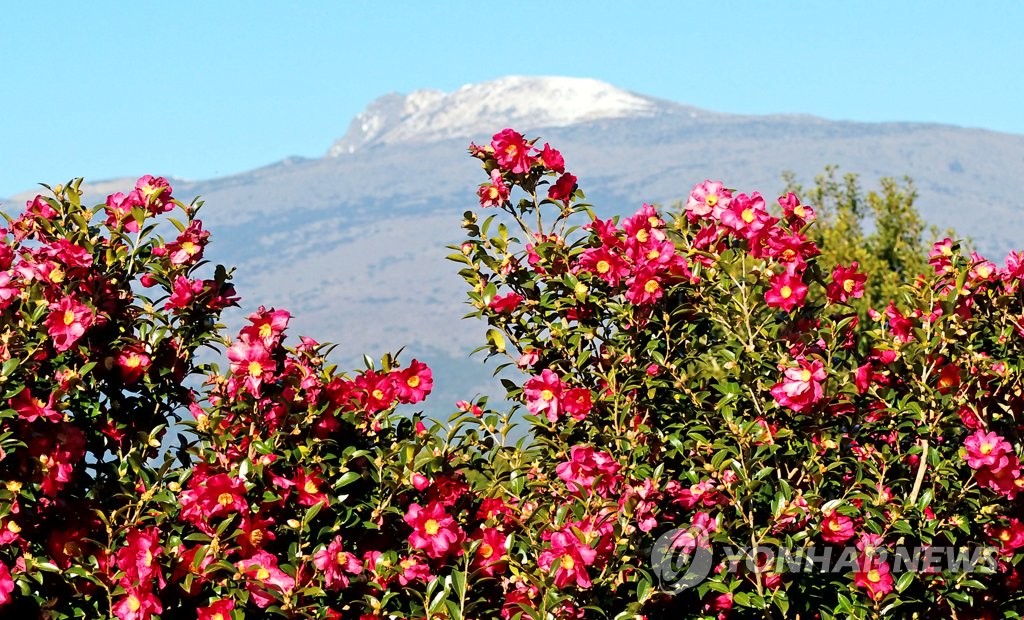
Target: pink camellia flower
<point x="544" y="395"/>
<point x="434" y="530"/>
<point x="589" y="470"/>
<point x="182" y="293"/>
<point x="987" y="450"/>
<point x="505" y="304"/>
<point x="605" y="264"/>
<point x="31" y="408"/>
<point x="495" y="193"/>
<point x="1009" y="536"/>
<point x="309" y="486"/>
<point x="836" y="528"/>
<point x="413" y="383"/>
<point x="846" y="283"/>
<point x="67" y="321"/>
<point x="572" y="558"/>
<point x="155" y="193"/>
<point x="563" y="188"/>
<point x="512" y="152"/>
<point x="798" y="215"/>
<point x="188" y="247"/>
<point x="132" y="363"/>
<point x="644" y="287"/>
<point x="119" y="211"/>
<point x="747" y="215"/>
<point x="138" y="603"/>
<point x="552" y="159"/>
<point x="528" y="358"/>
<point x="336" y="565"/>
<point x="217" y="610"/>
<point x="874" y="576"/>
<point x="801" y="387"/>
<point x="265" y="580"/>
<point x="787" y="291"/>
<point x="8" y="292"/>
<point x="251" y="362"/>
<point x="6" y="584"/>
<point x="709" y="198"/>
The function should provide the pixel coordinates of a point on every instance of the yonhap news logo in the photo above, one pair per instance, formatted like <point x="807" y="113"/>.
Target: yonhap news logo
<point x="683" y="558"/>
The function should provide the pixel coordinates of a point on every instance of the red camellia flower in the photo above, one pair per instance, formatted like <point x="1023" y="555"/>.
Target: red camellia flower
<point x="182" y="293"/>
<point x="67" y="321"/>
<point x="552" y="159"/>
<point x="251" y="362"/>
<point x="605" y="264"/>
<point x="434" y="530"/>
<point x="801" y="386"/>
<point x="512" y="152"/>
<point x="644" y="287"/>
<point x="544" y="395"/>
<point x="797" y="214"/>
<point x="309" y="486"/>
<point x="874" y="576"/>
<point x="490" y="555"/>
<point x="414" y="383"/>
<point x="577" y="402"/>
<point x="563" y="188"/>
<point x="132" y="363"/>
<point x="787" y="291"/>
<point x="846" y="283"/>
<point x="505" y="304"/>
<point x="218" y="610"/>
<point x="187" y="249"/>
<point x="265" y="578"/>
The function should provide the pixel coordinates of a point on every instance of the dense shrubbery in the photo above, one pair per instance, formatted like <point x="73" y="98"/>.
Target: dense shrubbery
<point x="704" y="378"/>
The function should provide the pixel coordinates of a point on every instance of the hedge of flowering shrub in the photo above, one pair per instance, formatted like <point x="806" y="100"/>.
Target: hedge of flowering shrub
<point x="698" y="377"/>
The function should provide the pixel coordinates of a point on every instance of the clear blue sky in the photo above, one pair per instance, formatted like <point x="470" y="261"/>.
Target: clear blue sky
<point x="203" y="89"/>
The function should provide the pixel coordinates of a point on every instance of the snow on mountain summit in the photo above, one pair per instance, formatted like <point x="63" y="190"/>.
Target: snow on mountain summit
<point x="522" y="102"/>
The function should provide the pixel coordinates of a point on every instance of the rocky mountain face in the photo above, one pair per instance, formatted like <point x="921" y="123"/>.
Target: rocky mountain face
<point x="353" y="243"/>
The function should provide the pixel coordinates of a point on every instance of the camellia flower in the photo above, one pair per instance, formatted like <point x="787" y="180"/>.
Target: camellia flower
<point x="787" y="291"/>
<point x="644" y="287"/>
<point x="336" y="565"/>
<point x="577" y="402"/>
<point x="512" y="152"/>
<point x="709" y="198"/>
<point x="182" y="293"/>
<point x="188" y="247"/>
<point x="544" y="394"/>
<point x="589" y="470"/>
<point x="874" y="576"/>
<point x="132" y="363"/>
<point x="490" y="555"/>
<point x="251" y="362"/>
<point x="505" y="304"/>
<point x="747" y="215"/>
<point x="264" y="577"/>
<point x="571" y="556"/>
<point x="846" y="283"/>
<point x="836" y="528"/>
<point x="414" y="383"/>
<point x="605" y="264"/>
<point x="798" y="215"/>
<point x="67" y="321"/>
<point x="217" y="610"/>
<point x="137" y="604"/>
<point x="987" y="450"/>
<point x="434" y="530"/>
<point x="563" y="188"/>
<point x="801" y="386"/>
<point x="552" y="159"/>
<point x="308" y="485"/>
<point x="6" y="584"/>
<point x="31" y="408"/>
<point x="495" y="193"/>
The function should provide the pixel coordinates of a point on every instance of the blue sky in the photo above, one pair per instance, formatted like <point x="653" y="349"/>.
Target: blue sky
<point x="203" y="89"/>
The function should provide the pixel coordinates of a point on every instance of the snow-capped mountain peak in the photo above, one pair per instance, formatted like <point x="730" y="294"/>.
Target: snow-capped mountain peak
<point x="521" y="102"/>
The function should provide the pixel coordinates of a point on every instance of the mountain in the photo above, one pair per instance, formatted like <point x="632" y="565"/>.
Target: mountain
<point x="353" y="243"/>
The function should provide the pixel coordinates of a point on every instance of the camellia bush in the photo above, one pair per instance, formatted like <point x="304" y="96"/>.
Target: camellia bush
<point x="697" y="395"/>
